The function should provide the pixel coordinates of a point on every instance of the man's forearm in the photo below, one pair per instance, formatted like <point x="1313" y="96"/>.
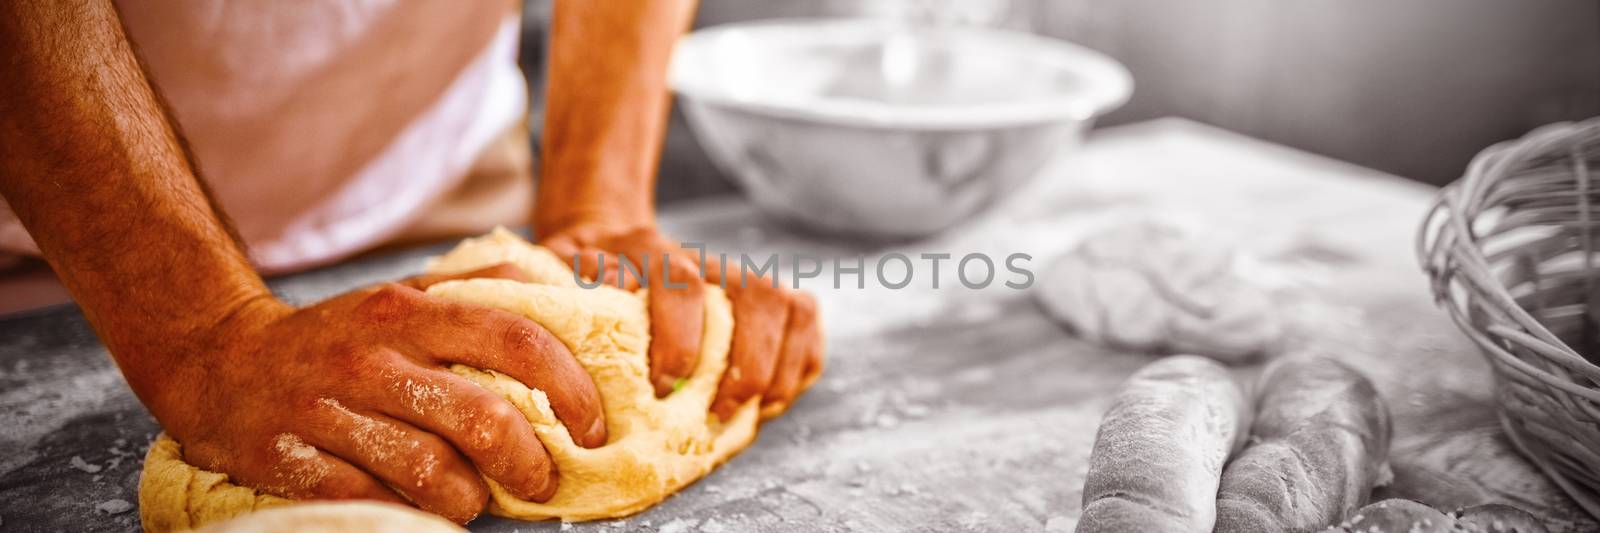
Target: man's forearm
<point x="606" y="111"/>
<point x="96" y="172"/>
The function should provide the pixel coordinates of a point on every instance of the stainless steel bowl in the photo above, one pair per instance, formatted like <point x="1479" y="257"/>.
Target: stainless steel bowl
<point x="869" y="128"/>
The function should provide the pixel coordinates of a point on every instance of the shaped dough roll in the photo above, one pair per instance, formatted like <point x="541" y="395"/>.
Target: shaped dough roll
<point x="1160" y="449"/>
<point x="1319" y="443"/>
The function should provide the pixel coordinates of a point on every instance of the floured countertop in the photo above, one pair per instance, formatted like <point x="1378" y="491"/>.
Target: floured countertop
<point x="948" y="409"/>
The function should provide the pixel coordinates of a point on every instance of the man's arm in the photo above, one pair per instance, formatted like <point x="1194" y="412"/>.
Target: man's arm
<point x="606" y="111"/>
<point x="606" y="115"/>
<point x="338" y="400"/>
<point x="94" y="170"/>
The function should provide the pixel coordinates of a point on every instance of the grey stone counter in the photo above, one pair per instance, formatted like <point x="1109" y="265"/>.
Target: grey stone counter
<point x="941" y="410"/>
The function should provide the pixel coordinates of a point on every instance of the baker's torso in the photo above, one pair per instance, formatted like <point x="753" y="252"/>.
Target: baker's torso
<point x="326" y="126"/>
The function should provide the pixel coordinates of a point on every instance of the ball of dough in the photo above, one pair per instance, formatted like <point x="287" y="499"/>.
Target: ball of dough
<point x="1156" y="287"/>
<point x="655" y="446"/>
<point x="336" y="517"/>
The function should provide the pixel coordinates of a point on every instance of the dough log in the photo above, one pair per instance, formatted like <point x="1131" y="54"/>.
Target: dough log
<point x="655" y="446"/>
<point x="1319" y="443"/>
<point x="1159" y="452"/>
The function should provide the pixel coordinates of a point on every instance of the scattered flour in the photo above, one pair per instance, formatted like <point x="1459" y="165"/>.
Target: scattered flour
<point x="80" y="464"/>
<point x="300" y="467"/>
<point x="887" y="421"/>
<point x="45" y="405"/>
<point x="1060" y="524"/>
<point x="117" y="506"/>
<point x="424" y="397"/>
<point x="383" y="442"/>
<point x="677" y="525"/>
<point x="293" y="448"/>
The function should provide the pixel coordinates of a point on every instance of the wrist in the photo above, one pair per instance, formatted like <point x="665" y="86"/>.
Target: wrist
<point x="589" y="227"/>
<point x="165" y="364"/>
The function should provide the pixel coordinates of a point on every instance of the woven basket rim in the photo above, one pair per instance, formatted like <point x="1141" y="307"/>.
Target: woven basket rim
<point x="1522" y="350"/>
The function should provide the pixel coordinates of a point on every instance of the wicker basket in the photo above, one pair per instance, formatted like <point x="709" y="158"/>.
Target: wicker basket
<point x="1513" y="249"/>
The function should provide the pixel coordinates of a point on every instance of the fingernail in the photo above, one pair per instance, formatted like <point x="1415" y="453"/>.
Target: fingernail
<point x="596" y="435"/>
<point x="548" y="489"/>
<point x="666" y="385"/>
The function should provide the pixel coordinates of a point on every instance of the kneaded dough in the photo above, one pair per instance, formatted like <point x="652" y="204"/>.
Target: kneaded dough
<point x="654" y="446"/>
<point x="1155" y="286"/>
<point x="336" y="517"/>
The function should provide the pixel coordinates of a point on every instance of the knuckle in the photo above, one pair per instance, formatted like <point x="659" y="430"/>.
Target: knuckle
<point x="739" y="382"/>
<point x="427" y="475"/>
<point x="493" y="421"/>
<point x="519" y="338"/>
<point x="391" y="300"/>
<point x="355" y="364"/>
<point x="312" y="406"/>
<point x="500" y="413"/>
<point x="348" y="352"/>
<point x="684" y="268"/>
<point x="761" y="296"/>
<point x="432" y="466"/>
<point x="803" y="304"/>
<point x="523" y="337"/>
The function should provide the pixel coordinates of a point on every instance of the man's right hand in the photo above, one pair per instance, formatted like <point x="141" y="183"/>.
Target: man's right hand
<point x="352" y="398"/>
<point x="349" y="398"/>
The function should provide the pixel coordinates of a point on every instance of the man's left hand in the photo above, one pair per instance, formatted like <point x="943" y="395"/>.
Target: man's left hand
<point x="777" y="343"/>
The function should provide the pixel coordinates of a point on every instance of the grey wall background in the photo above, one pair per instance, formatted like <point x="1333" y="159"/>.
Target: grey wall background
<point x="1411" y="87"/>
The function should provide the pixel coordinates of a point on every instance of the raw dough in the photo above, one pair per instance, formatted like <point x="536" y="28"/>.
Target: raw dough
<point x="339" y="517"/>
<point x="655" y="446"/>
<point x="1153" y="286"/>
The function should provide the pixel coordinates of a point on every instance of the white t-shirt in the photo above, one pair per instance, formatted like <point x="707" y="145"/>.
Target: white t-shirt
<point x="324" y="127"/>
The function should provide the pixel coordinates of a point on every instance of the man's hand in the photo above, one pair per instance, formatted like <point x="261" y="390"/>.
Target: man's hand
<point x="777" y="345"/>
<point x="348" y="398"/>
<point x="351" y="398"/>
<point x="607" y="105"/>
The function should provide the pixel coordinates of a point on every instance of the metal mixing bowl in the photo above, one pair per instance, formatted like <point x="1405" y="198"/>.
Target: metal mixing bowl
<point x="872" y="128"/>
